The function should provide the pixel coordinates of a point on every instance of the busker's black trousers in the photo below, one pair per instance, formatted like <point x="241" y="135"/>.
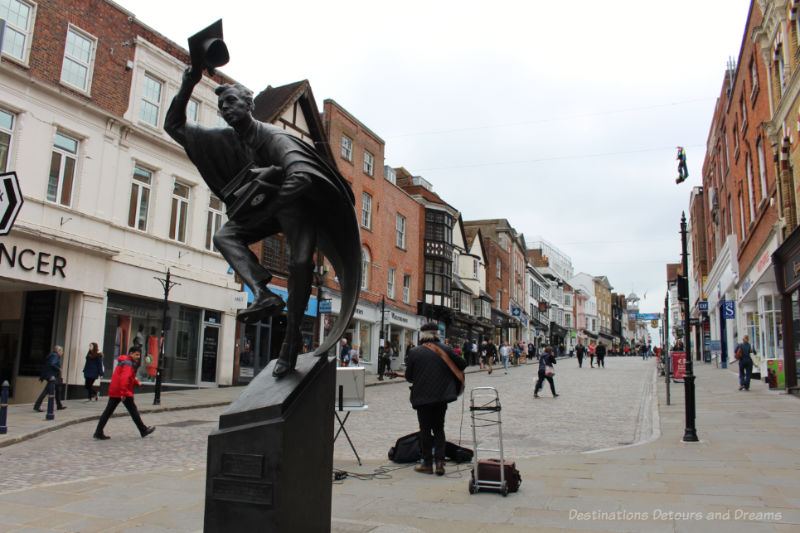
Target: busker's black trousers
<point x="112" y="404"/>
<point x="431" y="430"/>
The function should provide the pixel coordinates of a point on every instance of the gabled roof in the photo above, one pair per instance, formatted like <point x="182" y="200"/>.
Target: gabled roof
<point x="273" y="102"/>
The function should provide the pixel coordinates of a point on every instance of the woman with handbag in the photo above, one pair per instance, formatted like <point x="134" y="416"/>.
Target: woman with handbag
<point x="546" y="372"/>
<point x="92" y="370"/>
<point x="743" y="353"/>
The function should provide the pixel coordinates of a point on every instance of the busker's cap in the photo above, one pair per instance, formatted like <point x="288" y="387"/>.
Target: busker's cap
<point x="430" y="326"/>
<point x="207" y="49"/>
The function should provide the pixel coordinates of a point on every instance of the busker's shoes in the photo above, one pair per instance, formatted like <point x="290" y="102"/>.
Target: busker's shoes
<point x="38" y="409"/>
<point x="265" y="305"/>
<point x="424" y="468"/>
<point x="439" y="468"/>
<point x="101" y="436"/>
<point x="148" y="430"/>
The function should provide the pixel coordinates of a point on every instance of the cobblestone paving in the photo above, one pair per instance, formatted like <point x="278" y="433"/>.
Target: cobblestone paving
<point x="596" y="409"/>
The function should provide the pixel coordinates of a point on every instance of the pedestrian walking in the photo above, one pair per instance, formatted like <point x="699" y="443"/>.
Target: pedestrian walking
<point x="546" y="372"/>
<point x="384" y="361"/>
<point x="505" y="354"/>
<point x="592" y="349"/>
<point x="580" y="351"/>
<point x="121" y="390"/>
<point x="436" y="374"/>
<point x="745" y="362"/>
<point x="600" y="353"/>
<point x="491" y="354"/>
<point x="354" y="356"/>
<point x="344" y="352"/>
<point x="92" y="370"/>
<point x="466" y="351"/>
<point x="51" y="369"/>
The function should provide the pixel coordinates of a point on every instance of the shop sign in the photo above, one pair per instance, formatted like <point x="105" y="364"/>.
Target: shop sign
<point x="239" y="300"/>
<point x="30" y="260"/>
<point x="10" y="201"/>
<point x="678" y="366"/>
<point x="398" y="318"/>
<point x="728" y="309"/>
<point x="325" y="305"/>
<point x="516" y="311"/>
<point x="702" y="306"/>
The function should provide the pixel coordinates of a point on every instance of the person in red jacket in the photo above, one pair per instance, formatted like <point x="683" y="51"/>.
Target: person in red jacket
<point x="121" y="390"/>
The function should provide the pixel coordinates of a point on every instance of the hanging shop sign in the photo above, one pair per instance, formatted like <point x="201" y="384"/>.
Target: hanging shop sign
<point x="10" y="201"/>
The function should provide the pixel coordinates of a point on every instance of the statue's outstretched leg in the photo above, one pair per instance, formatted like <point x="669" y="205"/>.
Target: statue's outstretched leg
<point x="232" y="240"/>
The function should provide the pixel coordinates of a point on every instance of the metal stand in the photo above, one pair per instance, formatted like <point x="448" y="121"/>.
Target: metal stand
<point x="484" y="407"/>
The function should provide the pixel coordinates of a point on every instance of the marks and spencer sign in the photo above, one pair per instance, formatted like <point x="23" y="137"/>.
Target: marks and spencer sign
<point x="43" y="263"/>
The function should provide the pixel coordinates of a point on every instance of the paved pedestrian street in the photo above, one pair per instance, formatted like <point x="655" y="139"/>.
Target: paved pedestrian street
<point x="596" y="408"/>
<point x="579" y="471"/>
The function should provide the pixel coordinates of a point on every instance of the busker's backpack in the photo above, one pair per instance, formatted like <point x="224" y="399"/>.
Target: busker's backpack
<point x="407" y="450"/>
<point x="489" y="470"/>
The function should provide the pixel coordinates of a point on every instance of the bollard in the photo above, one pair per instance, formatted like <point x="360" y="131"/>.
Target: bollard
<point x="51" y="399"/>
<point x="3" y="407"/>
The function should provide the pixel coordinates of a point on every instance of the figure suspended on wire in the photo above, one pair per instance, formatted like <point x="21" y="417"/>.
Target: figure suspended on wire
<point x="683" y="172"/>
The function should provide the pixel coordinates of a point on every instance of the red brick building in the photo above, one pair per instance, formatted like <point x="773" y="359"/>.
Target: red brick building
<point x="390" y="220"/>
<point x="739" y="200"/>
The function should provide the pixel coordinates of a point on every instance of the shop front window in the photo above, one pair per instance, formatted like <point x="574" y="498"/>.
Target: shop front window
<point x="753" y="329"/>
<point x="773" y="328"/>
<point x="364" y="342"/>
<point x="137" y="321"/>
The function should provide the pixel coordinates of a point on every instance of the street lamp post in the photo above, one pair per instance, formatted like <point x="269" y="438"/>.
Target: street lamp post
<point x="690" y="433"/>
<point x="167" y="284"/>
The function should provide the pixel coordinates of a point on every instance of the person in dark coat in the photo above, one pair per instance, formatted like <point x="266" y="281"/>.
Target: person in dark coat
<point x="600" y="352"/>
<point x="491" y="354"/>
<point x="466" y="352"/>
<point x="92" y="370"/>
<point x="745" y="363"/>
<point x="121" y="390"/>
<point x="580" y="351"/>
<point x="433" y="386"/>
<point x="548" y="359"/>
<point x="51" y="369"/>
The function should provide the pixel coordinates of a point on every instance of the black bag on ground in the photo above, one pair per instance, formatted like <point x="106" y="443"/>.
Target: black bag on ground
<point x="457" y="453"/>
<point x="406" y="449"/>
<point x="489" y="470"/>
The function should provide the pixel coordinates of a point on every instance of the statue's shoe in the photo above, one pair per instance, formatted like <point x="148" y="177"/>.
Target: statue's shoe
<point x="266" y="306"/>
<point x="286" y="360"/>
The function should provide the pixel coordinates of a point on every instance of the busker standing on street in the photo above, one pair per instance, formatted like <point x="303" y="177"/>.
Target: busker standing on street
<point x="491" y="353"/>
<point x="548" y="359"/>
<point x="92" y="370"/>
<point x="121" y="390"/>
<point x="436" y="374"/>
<point x="580" y="351"/>
<point x="51" y="369"/>
<point x="745" y="363"/>
<point x="600" y="352"/>
<point x="592" y="350"/>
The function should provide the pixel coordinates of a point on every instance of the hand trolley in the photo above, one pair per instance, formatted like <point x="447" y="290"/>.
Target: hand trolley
<point x="485" y="412"/>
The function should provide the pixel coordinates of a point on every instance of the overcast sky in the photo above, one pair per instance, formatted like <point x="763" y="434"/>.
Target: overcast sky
<point x="562" y="117"/>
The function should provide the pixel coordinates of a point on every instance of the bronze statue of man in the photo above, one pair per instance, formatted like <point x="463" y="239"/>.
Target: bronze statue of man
<point x="271" y="182"/>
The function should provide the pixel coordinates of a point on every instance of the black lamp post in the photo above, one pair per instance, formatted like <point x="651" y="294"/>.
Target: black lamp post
<point x="167" y="284"/>
<point x="690" y="433"/>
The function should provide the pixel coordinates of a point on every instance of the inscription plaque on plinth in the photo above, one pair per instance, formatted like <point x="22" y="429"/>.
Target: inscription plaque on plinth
<point x="270" y="461"/>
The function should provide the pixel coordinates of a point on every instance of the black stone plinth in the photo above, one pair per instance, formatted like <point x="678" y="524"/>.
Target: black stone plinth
<point x="270" y="461"/>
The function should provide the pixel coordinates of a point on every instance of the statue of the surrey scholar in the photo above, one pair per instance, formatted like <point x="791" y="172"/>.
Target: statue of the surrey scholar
<point x="270" y="182"/>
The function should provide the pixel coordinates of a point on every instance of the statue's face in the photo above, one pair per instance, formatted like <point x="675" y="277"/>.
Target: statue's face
<point x="233" y="106"/>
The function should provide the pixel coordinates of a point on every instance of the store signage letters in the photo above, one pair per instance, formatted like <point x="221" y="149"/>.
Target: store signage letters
<point x="30" y="260"/>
